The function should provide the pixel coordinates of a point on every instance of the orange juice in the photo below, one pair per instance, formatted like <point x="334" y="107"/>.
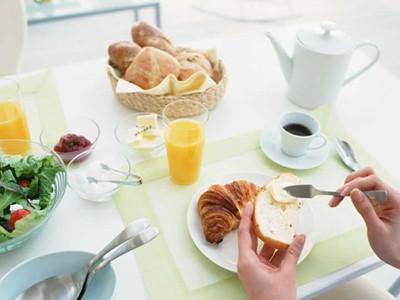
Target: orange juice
<point x="13" y="125"/>
<point x="184" y="143"/>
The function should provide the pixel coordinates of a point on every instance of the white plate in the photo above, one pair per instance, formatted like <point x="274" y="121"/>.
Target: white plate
<point x="270" y="145"/>
<point x="225" y="254"/>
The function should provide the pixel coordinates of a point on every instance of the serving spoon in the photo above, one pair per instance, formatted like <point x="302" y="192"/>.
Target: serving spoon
<point x="347" y="155"/>
<point x="142" y="238"/>
<point x="69" y="286"/>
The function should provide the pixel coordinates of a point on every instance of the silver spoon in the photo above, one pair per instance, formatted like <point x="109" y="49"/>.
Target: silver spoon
<point x="142" y="238"/>
<point x="347" y="155"/>
<point x="69" y="286"/>
<point x="122" y="182"/>
<point x="108" y="168"/>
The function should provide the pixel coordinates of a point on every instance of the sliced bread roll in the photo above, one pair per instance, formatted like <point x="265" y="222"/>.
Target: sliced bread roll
<point x="276" y="213"/>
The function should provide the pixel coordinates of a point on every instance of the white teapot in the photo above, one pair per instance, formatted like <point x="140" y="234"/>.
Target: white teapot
<point x="317" y="70"/>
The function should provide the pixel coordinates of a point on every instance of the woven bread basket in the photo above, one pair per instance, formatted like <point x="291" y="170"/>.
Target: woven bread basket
<point x="155" y="103"/>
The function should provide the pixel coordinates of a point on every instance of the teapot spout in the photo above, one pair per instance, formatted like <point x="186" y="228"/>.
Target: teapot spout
<point x="284" y="59"/>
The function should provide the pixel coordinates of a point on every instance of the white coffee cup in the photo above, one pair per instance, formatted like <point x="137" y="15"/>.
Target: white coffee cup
<point x="298" y="131"/>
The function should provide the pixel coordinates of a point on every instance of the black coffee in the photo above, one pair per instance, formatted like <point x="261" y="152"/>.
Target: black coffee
<point x="297" y="129"/>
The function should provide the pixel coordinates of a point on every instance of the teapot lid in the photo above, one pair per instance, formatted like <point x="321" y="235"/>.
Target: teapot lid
<point x="325" y="39"/>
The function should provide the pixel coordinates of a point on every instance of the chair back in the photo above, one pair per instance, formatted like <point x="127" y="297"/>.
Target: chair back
<point x="13" y="30"/>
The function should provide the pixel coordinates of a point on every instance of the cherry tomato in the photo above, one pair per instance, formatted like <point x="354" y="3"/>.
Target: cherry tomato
<point x="18" y="215"/>
<point x="24" y="182"/>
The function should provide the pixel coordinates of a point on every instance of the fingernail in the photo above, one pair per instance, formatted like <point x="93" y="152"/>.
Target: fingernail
<point x="357" y="193"/>
<point x="249" y="206"/>
<point x="302" y="238"/>
<point x="331" y="202"/>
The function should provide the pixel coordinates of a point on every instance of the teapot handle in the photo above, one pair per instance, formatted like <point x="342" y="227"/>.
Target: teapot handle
<point x="369" y="65"/>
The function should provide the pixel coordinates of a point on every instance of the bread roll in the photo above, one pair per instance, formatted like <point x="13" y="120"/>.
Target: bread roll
<point x="276" y="215"/>
<point x="192" y="62"/>
<point x="150" y="67"/>
<point x="122" y="54"/>
<point x="147" y="35"/>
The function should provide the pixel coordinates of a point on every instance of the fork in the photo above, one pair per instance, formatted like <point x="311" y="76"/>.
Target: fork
<point x="309" y="191"/>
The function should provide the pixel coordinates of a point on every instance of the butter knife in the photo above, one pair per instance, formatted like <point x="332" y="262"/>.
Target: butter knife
<point x="309" y="191"/>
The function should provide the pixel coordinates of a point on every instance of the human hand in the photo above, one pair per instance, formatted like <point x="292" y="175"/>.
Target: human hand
<point x="270" y="275"/>
<point x="382" y="219"/>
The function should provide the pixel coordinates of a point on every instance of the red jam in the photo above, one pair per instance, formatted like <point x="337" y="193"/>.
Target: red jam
<point x="72" y="142"/>
<point x="70" y="145"/>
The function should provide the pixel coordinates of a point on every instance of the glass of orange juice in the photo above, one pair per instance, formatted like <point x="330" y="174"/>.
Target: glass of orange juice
<point x="13" y="123"/>
<point x="184" y="139"/>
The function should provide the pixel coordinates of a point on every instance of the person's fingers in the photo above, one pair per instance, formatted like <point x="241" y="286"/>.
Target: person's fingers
<point x="246" y="236"/>
<point x="364" y="172"/>
<point x="278" y="258"/>
<point x="365" y="209"/>
<point x="293" y="252"/>
<point x="267" y="252"/>
<point x="335" y="201"/>
<point x="371" y="182"/>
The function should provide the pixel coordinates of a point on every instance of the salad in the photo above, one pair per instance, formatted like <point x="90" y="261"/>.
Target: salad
<point x="26" y="192"/>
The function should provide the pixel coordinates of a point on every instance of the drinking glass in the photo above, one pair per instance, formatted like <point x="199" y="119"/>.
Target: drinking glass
<point x="184" y="139"/>
<point x="13" y="121"/>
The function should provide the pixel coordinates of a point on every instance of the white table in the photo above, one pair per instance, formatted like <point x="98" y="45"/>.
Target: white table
<point x="254" y="98"/>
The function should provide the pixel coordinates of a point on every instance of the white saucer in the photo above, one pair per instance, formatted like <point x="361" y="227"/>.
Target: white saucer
<point x="270" y="145"/>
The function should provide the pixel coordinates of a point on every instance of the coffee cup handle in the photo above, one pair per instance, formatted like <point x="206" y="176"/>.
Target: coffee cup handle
<point x="324" y="141"/>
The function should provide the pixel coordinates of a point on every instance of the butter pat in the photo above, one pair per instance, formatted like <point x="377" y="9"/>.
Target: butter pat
<point x="276" y="188"/>
<point x="146" y="134"/>
<point x="279" y="194"/>
<point x="148" y="121"/>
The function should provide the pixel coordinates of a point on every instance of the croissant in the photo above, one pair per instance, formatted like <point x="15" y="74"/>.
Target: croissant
<point x="221" y="206"/>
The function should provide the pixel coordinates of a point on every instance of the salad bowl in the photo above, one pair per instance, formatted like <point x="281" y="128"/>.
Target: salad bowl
<point x="32" y="183"/>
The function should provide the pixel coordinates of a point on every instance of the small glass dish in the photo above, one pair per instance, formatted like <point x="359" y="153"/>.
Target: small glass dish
<point x="59" y="187"/>
<point x="88" y="165"/>
<point x="80" y="126"/>
<point x="121" y="133"/>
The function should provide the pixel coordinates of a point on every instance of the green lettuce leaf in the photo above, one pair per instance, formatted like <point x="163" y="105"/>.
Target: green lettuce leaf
<point x="6" y="199"/>
<point x="7" y="177"/>
<point x="27" y="222"/>
<point x="23" y="225"/>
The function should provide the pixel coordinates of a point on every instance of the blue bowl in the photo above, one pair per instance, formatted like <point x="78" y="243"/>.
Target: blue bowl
<point x="34" y="270"/>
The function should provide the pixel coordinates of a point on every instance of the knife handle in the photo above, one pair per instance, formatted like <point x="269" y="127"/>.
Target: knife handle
<point x="378" y="195"/>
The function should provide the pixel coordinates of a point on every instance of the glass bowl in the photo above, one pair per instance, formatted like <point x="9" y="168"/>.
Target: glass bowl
<point x="121" y="132"/>
<point x="80" y="126"/>
<point x="80" y="170"/>
<point x="60" y="183"/>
